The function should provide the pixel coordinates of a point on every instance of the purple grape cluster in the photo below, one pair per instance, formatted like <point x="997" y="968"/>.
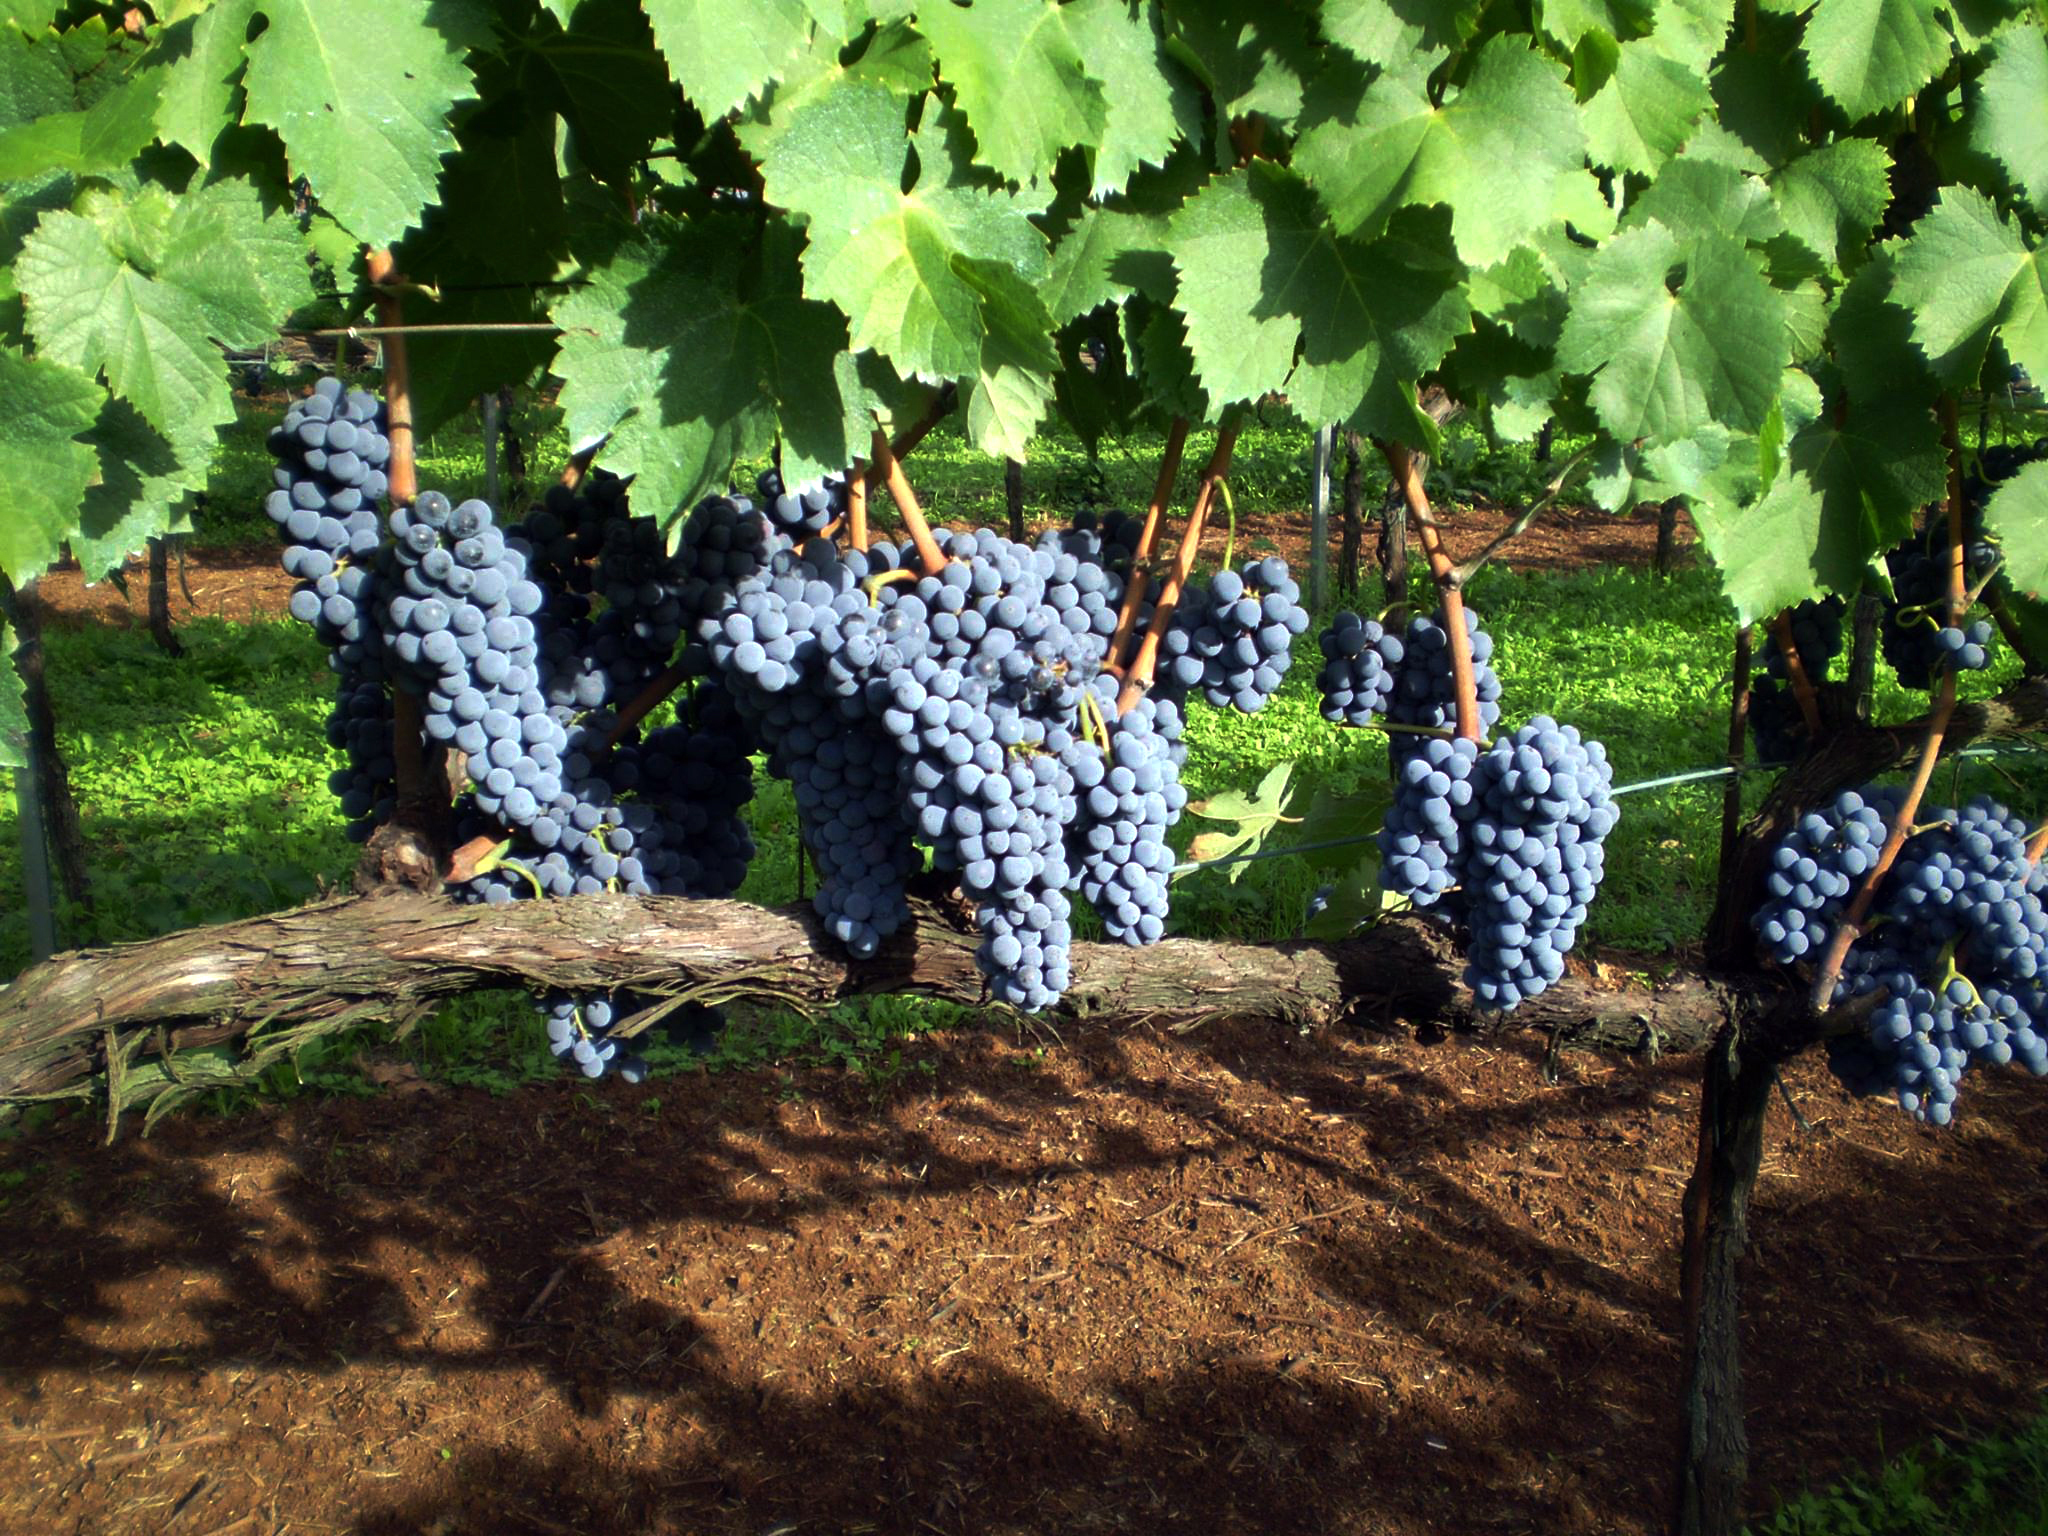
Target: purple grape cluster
<point x="1956" y="944"/>
<point x="331" y="453"/>
<point x="1506" y="840"/>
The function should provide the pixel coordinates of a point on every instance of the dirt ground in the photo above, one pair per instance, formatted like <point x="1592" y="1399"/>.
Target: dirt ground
<point x="1245" y="1281"/>
<point x="243" y="582"/>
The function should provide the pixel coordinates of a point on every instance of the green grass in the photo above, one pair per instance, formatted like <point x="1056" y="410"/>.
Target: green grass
<point x="1993" y="1486"/>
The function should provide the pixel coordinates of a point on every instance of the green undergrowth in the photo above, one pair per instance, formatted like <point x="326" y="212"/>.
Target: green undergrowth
<point x="202" y="784"/>
<point x="1996" y="1485"/>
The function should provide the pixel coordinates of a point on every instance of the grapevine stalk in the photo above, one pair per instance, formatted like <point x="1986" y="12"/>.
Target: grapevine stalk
<point x="1851" y="926"/>
<point x="1802" y="685"/>
<point x="1402" y="463"/>
<point x="1738" y="725"/>
<point x="906" y="505"/>
<point x="1139" y="678"/>
<point x="1148" y="536"/>
<point x="908" y="439"/>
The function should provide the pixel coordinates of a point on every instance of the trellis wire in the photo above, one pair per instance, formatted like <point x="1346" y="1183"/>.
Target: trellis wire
<point x="1694" y="776"/>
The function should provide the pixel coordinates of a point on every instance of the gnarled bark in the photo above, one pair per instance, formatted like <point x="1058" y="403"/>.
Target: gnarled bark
<point x="274" y="981"/>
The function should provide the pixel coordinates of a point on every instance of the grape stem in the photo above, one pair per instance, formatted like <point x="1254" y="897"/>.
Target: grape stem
<point x="1402" y="463"/>
<point x="1139" y="678"/>
<point x="907" y="508"/>
<point x="579" y="464"/>
<point x="1155" y="510"/>
<point x="1851" y="925"/>
<point x="908" y="439"/>
<point x="2037" y="844"/>
<point x="401" y="475"/>
<point x="857" y="508"/>
<point x="643" y="703"/>
<point x="1802" y="685"/>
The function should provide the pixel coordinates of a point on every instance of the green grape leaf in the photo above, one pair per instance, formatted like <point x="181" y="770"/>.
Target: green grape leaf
<point x="1150" y="103"/>
<point x="1017" y="73"/>
<point x="2017" y="516"/>
<point x="1492" y="153"/>
<point x="1750" y="543"/>
<point x="1831" y="198"/>
<point x="34" y="80"/>
<point x="897" y="59"/>
<point x="1241" y="339"/>
<point x="1667" y="363"/>
<point x="884" y="255"/>
<point x="1867" y="55"/>
<point x="91" y="309"/>
<point x="1695" y="197"/>
<point x="1007" y="398"/>
<point x="1372" y="31"/>
<point x="369" y="134"/>
<point x="44" y="467"/>
<point x="206" y="53"/>
<point x="1104" y="259"/>
<point x="604" y="77"/>
<point x="1350" y="818"/>
<point x="1872" y="337"/>
<point x="1766" y="102"/>
<point x="1258" y="815"/>
<point x="725" y="52"/>
<point x="1645" y="111"/>
<point x="659" y="353"/>
<point x="450" y="371"/>
<point x="825" y="401"/>
<point x="1965" y="275"/>
<point x="1165" y="367"/>
<point x="144" y="489"/>
<point x="100" y="138"/>
<point x="2011" y="121"/>
<point x="1571" y="20"/>
<point x="1356" y="898"/>
<point x="1874" y="471"/>
<point x="1251" y="56"/>
<point x="1375" y="317"/>
<point x="243" y="264"/>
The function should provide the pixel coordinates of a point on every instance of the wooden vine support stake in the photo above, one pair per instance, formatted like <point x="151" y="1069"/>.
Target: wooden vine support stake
<point x="1463" y="680"/>
<point x="1851" y="926"/>
<point x="891" y="470"/>
<point x="1802" y="685"/>
<point x="1139" y="678"/>
<point x="403" y="849"/>
<point x="857" y="508"/>
<point x="1148" y="536"/>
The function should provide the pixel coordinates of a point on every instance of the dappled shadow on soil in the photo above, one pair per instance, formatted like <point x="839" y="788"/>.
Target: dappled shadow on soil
<point x="1248" y="1282"/>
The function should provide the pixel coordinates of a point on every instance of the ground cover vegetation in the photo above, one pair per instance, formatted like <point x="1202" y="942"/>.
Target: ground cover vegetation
<point x="1727" y="255"/>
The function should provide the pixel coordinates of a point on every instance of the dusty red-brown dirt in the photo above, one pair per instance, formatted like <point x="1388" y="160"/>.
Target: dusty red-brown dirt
<point x="246" y="582"/>
<point x="1242" y="1282"/>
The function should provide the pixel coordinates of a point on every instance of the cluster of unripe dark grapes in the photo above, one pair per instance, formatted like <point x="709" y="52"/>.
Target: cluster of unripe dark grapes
<point x="1956" y="944"/>
<point x="966" y="714"/>
<point x="1504" y="840"/>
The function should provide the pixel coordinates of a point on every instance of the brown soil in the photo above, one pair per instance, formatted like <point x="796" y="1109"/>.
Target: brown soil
<point x="1247" y="1282"/>
<point x="246" y="582"/>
